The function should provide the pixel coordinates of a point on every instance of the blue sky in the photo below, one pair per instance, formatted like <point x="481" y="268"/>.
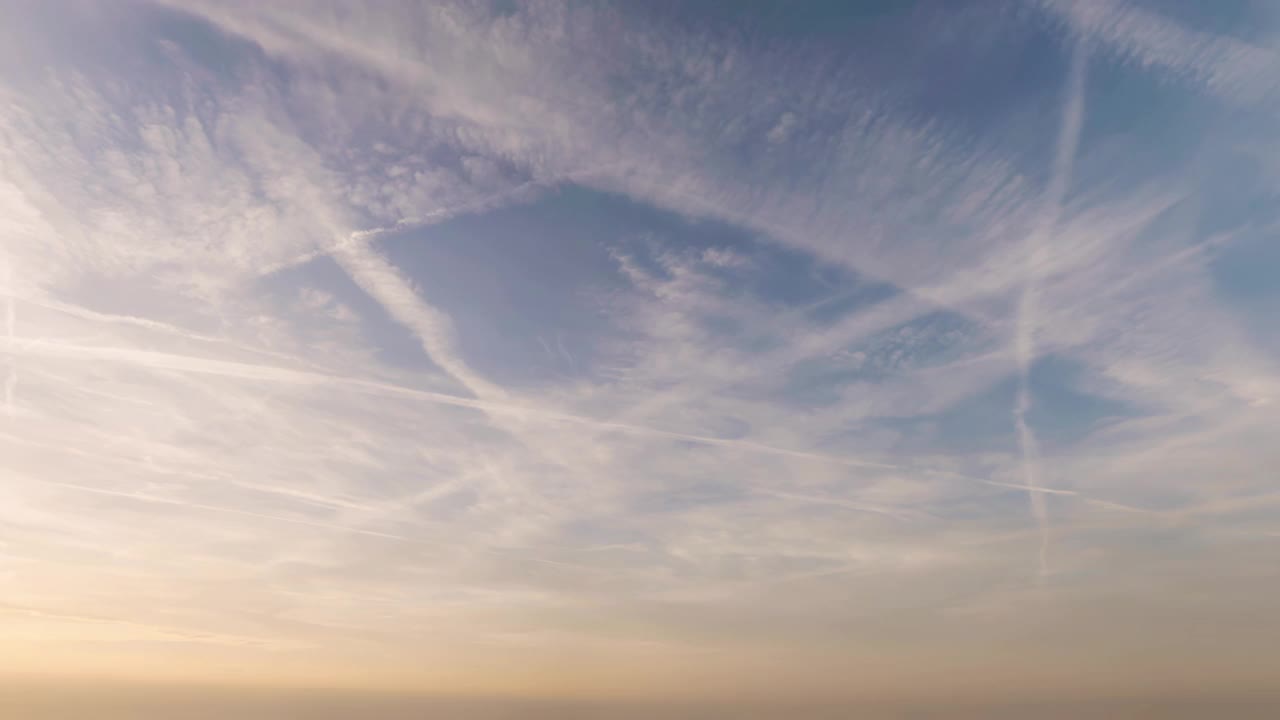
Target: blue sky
<point x="593" y="343"/>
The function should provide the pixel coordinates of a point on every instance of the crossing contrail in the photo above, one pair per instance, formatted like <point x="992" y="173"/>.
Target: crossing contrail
<point x="1037" y="253"/>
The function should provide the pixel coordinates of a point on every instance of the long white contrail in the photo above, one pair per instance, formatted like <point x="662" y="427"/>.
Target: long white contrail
<point x="1037" y="253"/>
<point x="255" y="372"/>
<point x="177" y="502"/>
<point x="309" y="378"/>
<point x="525" y="191"/>
<point x="433" y="328"/>
<point x="84" y="313"/>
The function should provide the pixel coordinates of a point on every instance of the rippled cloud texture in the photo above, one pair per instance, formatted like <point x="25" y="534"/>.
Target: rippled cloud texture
<point x="827" y="351"/>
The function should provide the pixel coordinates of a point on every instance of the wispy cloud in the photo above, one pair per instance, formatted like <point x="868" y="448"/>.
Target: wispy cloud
<point x="1228" y="66"/>
<point x="581" y="337"/>
<point x="1039" y="243"/>
<point x="380" y="279"/>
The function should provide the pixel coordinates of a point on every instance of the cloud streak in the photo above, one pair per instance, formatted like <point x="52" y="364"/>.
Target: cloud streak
<point x="669" y="334"/>
<point x="1039" y="248"/>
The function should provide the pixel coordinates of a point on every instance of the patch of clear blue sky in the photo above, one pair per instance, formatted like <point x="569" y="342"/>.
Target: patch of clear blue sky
<point x="1138" y="125"/>
<point x="531" y="286"/>
<point x="1063" y="412"/>
<point x="393" y="343"/>
<point x="527" y="285"/>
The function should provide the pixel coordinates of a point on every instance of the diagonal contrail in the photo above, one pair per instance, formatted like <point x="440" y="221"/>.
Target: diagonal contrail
<point x="525" y="191"/>
<point x="1037" y="253"/>
<point x="309" y="378"/>
<point x="383" y="282"/>
<point x="176" y="502"/>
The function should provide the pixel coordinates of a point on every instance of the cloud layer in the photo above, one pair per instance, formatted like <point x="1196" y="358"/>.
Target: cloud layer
<point x="585" y="349"/>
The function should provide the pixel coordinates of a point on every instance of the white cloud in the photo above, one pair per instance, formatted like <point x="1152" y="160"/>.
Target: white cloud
<point x="179" y="365"/>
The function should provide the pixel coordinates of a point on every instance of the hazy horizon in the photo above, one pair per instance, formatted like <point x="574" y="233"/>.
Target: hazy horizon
<point x="56" y="699"/>
<point x="904" y="357"/>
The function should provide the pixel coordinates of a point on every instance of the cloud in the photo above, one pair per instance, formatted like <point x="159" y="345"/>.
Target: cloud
<point x="380" y="280"/>
<point x="584" y="339"/>
<point x="1028" y="312"/>
<point x="1220" y="64"/>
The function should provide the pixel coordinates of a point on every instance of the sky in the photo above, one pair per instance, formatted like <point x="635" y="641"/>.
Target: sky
<point x="834" y="353"/>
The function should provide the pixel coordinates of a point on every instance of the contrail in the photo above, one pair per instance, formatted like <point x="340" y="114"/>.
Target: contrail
<point x="162" y="630"/>
<point x="84" y="313"/>
<point x="895" y="513"/>
<point x="1037" y="252"/>
<point x="434" y="329"/>
<point x="383" y="282"/>
<point x="525" y="191"/>
<point x="1104" y="504"/>
<point x="309" y="378"/>
<point x="412" y="223"/>
<point x="98" y="457"/>
<point x="159" y="500"/>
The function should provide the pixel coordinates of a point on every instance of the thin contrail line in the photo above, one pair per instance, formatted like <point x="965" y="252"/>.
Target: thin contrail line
<point x="433" y="329"/>
<point x="895" y="513"/>
<point x="306" y="378"/>
<point x="525" y="191"/>
<point x="165" y="630"/>
<point x="156" y="499"/>
<point x="1105" y="504"/>
<point x="84" y="313"/>
<point x="1037" y="252"/>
